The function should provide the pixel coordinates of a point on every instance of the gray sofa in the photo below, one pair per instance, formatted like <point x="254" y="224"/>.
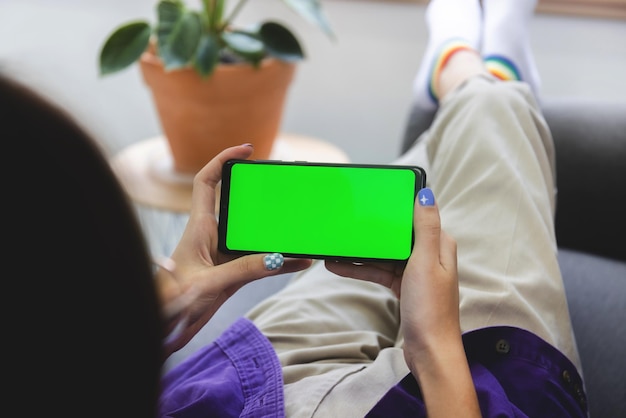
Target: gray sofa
<point x="590" y="142"/>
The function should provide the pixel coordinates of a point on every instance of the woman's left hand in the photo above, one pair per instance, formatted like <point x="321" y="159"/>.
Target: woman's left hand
<point x="210" y="276"/>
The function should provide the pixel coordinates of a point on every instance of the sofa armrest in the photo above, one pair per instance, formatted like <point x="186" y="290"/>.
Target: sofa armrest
<point x="590" y="146"/>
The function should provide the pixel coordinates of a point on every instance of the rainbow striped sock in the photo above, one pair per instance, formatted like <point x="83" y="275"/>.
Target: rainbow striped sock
<point x="502" y="68"/>
<point x="446" y="51"/>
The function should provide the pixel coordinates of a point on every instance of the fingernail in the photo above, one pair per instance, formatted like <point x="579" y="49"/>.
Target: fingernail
<point x="273" y="261"/>
<point x="247" y="144"/>
<point x="426" y="197"/>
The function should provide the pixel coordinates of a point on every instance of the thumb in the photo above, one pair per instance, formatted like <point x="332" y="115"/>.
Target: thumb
<point x="251" y="267"/>
<point x="427" y="227"/>
<point x="433" y="246"/>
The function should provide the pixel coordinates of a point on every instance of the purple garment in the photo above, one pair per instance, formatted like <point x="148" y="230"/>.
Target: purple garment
<point x="238" y="375"/>
<point x="516" y="374"/>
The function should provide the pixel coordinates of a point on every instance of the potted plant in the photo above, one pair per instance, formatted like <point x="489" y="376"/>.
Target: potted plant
<point x="200" y="67"/>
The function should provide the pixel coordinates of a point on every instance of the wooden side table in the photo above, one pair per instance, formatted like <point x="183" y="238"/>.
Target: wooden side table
<point x="145" y="169"/>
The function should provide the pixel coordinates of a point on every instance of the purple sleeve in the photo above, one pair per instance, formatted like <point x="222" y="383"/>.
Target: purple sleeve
<point x="515" y="373"/>
<point x="238" y="375"/>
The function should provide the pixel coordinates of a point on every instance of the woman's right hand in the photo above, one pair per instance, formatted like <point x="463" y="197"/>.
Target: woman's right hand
<point x="430" y="323"/>
<point x="429" y="303"/>
<point x="428" y="289"/>
<point x="427" y="285"/>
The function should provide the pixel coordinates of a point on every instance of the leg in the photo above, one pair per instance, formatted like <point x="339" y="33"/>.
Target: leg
<point x="491" y="164"/>
<point x="336" y="337"/>
<point x="326" y="329"/>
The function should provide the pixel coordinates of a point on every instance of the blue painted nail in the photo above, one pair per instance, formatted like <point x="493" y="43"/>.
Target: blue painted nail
<point x="426" y="197"/>
<point x="273" y="261"/>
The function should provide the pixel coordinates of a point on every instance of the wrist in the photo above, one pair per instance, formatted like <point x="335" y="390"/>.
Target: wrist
<point x="175" y="303"/>
<point x="444" y="377"/>
<point x="433" y="353"/>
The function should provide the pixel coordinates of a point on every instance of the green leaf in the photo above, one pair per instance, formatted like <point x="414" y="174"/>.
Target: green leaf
<point x="124" y="46"/>
<point x="280" y="42"/>
<point x="169" y="13"/>
<point x="181" y="45"/>
<point x="311" y="10"/>
<point x="245" y="44"/>
<point x="207" y="55"/>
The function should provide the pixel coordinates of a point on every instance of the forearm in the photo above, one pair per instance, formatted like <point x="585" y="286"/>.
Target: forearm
<point x="445" y="381"/>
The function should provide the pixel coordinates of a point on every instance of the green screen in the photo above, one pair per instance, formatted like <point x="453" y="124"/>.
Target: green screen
<point x="322" y="211"/>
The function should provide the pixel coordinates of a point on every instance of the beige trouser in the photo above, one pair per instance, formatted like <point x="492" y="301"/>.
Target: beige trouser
<point x="489" y="159"/>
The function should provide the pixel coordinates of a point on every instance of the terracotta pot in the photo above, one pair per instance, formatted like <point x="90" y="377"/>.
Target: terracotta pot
<point x="236" y="104"/>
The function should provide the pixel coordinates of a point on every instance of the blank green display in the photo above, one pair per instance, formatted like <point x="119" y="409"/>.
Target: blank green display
<point x="322" y="211"/>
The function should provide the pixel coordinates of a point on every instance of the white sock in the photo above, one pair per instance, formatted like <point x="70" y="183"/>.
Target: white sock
<point x="446" y="20"/>
<point x="506" y="41"/>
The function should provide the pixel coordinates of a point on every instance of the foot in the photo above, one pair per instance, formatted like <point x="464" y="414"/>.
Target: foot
<point x="453" y="25"/>
<point x="506" y="46"/>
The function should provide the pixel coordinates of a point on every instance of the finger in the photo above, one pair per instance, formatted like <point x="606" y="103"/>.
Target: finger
<point x="206" y="180"/>
<point x="248" y="268"/>
<point x="381" y="274"/>
<point x="427" y="228"/>
<point x="295" y="264"/>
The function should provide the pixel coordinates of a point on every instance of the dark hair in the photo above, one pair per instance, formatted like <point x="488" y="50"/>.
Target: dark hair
<point x="84" y="334"/>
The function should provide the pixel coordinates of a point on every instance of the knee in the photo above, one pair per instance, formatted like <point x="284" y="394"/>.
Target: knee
<point x="492" y="97"/>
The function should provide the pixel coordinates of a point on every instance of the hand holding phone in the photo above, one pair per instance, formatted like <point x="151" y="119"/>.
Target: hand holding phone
<point x="357" y="212"/>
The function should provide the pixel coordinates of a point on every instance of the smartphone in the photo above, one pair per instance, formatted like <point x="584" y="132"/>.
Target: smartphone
<point x="357" y="212"/>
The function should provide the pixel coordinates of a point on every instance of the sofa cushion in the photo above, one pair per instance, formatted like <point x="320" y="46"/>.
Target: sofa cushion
<point x="596" y="294"/>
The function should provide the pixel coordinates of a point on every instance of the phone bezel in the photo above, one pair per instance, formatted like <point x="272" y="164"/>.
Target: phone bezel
<point x="420" y="182"/>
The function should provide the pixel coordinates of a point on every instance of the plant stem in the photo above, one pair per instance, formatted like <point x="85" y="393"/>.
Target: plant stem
<point x="212" y="13"/>
<point x="235" y="12"/>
